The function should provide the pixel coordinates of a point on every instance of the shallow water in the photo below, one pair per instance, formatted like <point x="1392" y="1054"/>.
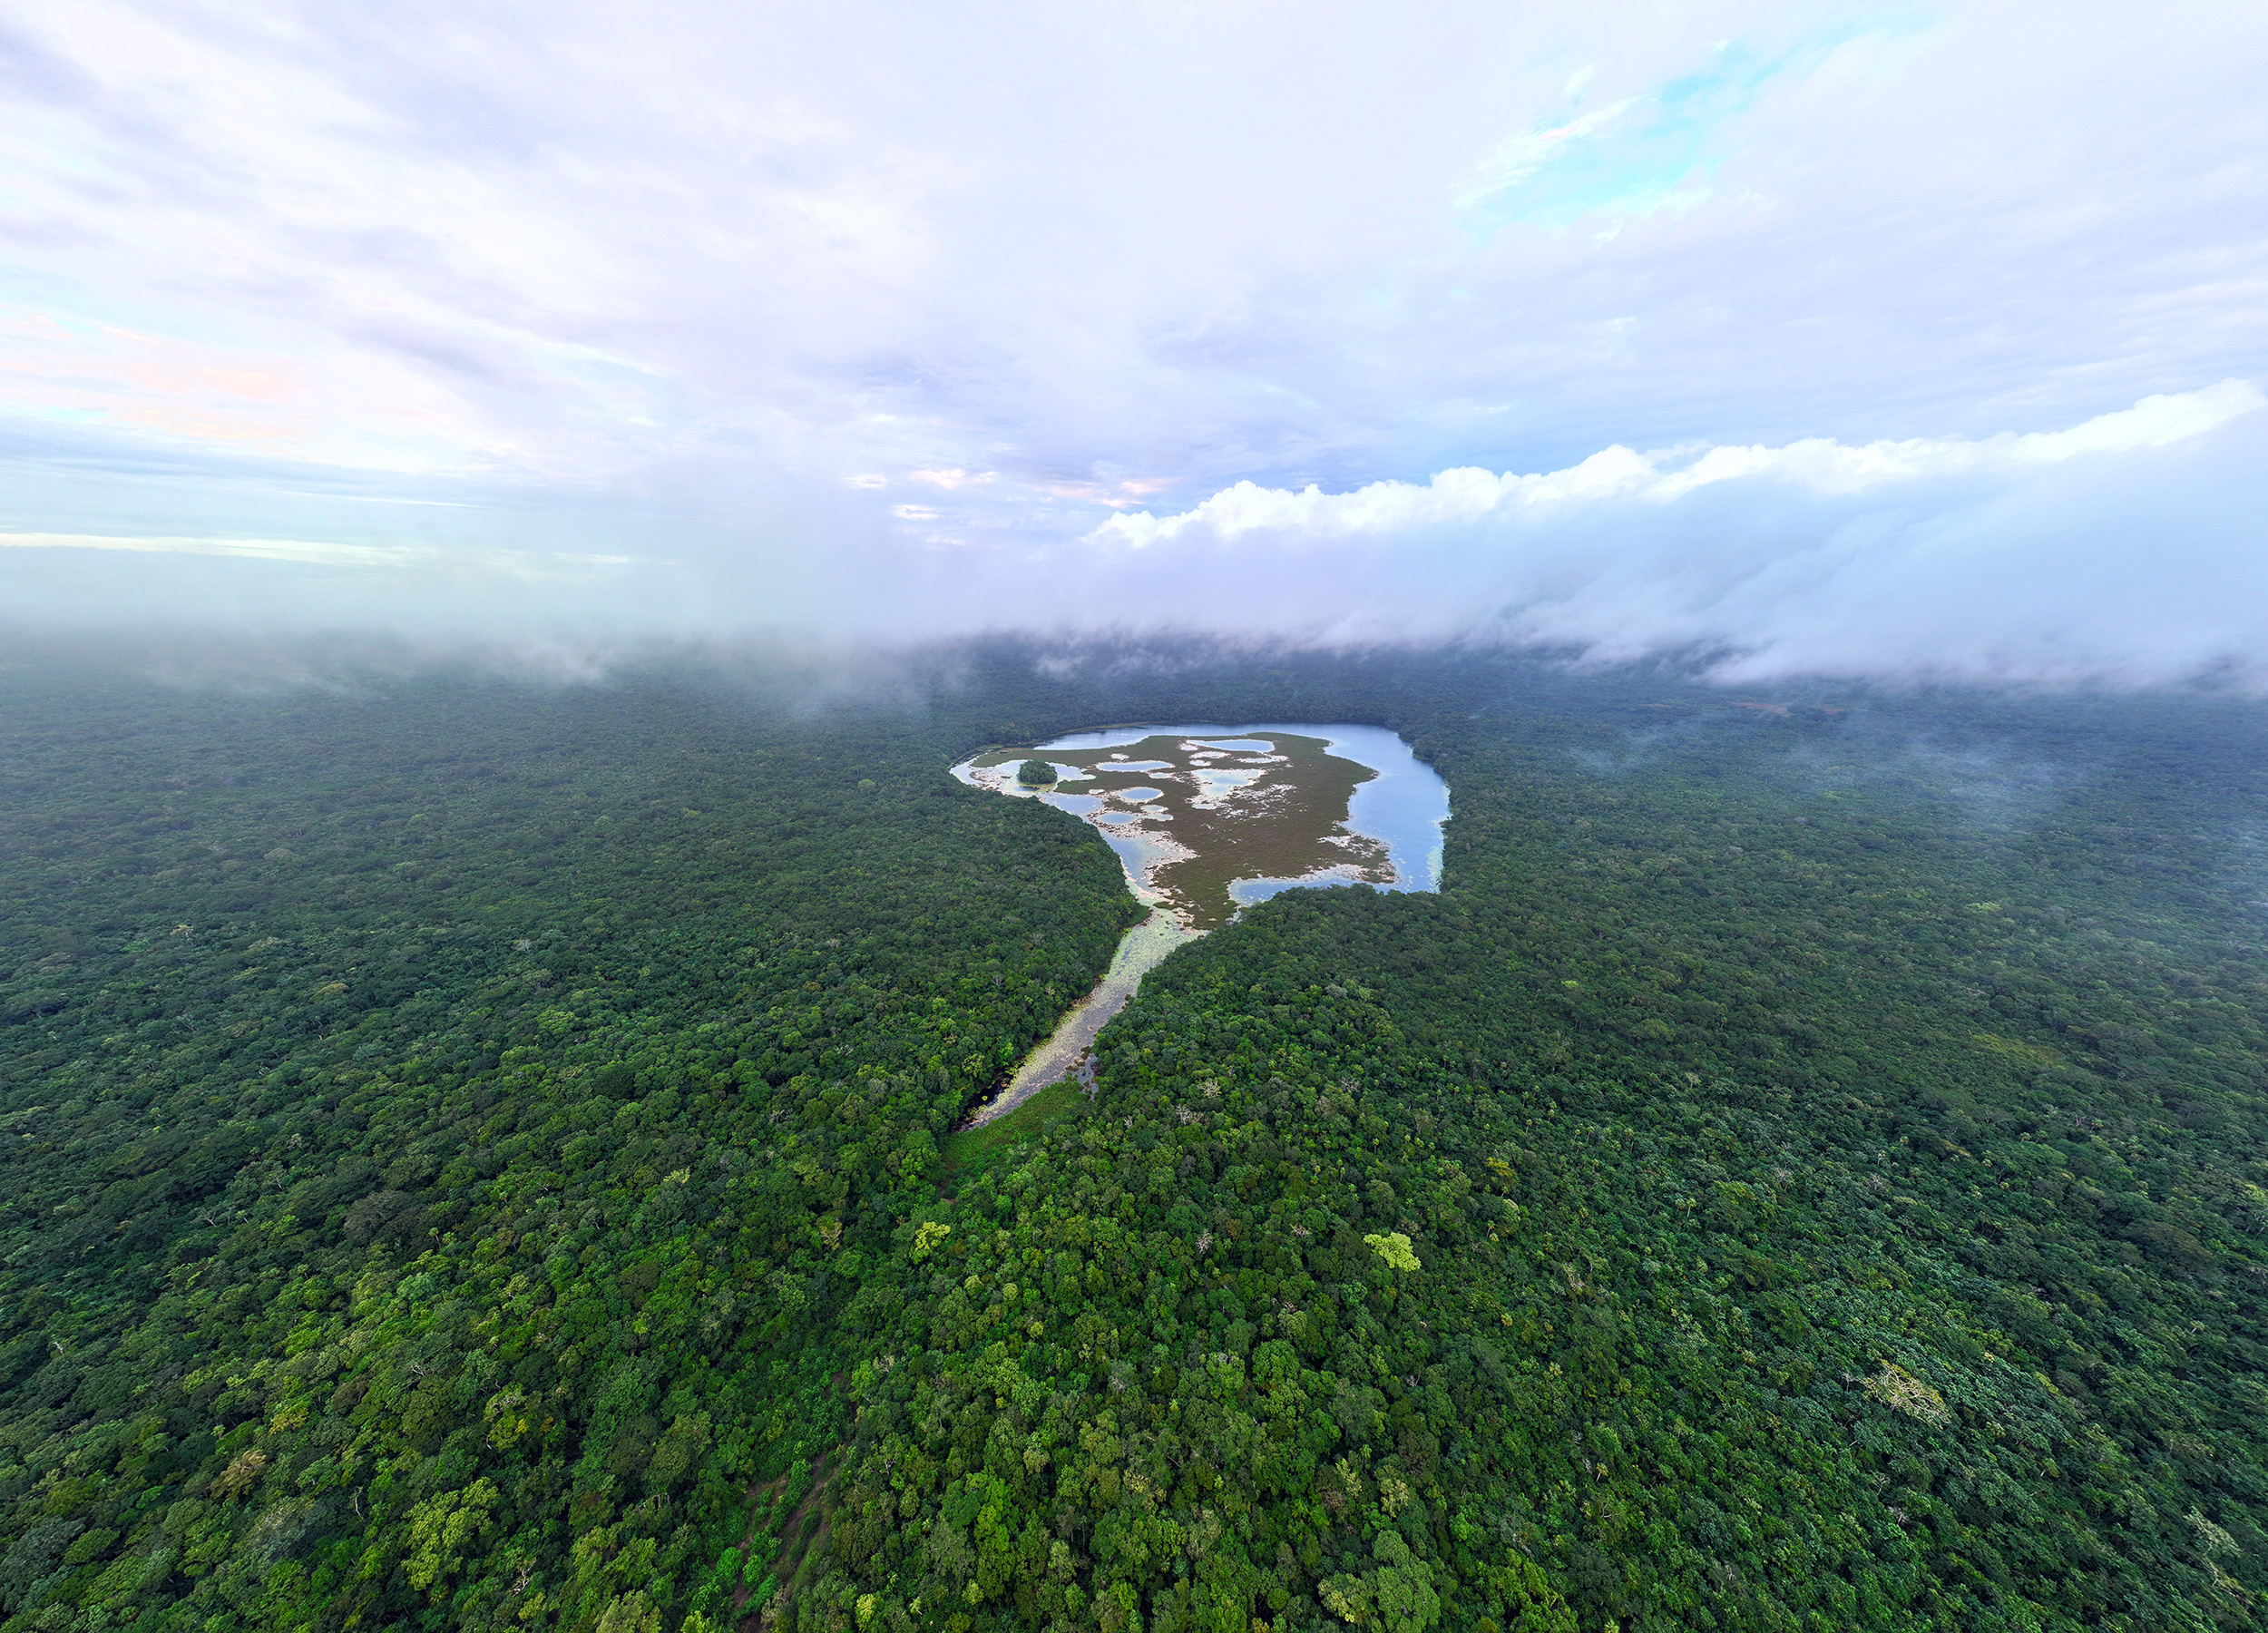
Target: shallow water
<point x="1404" y="806"/>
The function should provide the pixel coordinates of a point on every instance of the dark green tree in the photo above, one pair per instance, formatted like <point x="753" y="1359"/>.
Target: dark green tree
<point x="1035" y="774"/>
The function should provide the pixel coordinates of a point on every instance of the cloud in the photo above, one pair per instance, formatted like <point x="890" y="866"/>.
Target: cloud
<point x="399" y="557"/>
<point x="1820" y="464"/>
<point x="866" y="316"/>
<point x="950" y="480"/>
<point x="2128" y="549"/>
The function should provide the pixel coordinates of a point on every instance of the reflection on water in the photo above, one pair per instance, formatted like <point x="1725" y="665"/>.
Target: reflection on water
<point x="1216" y="782"/>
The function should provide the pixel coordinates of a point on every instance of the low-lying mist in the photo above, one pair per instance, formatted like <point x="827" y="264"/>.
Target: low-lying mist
<point x="2124" y="553"/>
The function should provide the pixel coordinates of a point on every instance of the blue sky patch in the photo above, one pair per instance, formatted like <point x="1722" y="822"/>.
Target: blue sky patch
<point x="1631" y="157"/>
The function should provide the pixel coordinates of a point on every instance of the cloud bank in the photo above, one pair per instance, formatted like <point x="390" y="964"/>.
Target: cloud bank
<point x="872" y="318"/>
<point x="2128" y="549"/>
<point x="1618" y="474"/>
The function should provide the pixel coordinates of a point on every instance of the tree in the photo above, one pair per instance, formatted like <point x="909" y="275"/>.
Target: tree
<point x="1035" y="774"/>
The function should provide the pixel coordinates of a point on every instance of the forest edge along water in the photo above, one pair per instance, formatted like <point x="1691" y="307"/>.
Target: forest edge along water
<point x="1208" y="820"/>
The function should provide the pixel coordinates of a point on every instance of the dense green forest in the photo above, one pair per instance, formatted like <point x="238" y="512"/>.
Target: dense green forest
<point x="482" y="1155"/>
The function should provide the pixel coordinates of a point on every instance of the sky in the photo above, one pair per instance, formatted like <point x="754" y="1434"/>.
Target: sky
<point x="1882" y="340"/>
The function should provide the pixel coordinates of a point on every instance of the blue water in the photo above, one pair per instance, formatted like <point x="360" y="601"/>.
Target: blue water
<point x="1404" y="807"/>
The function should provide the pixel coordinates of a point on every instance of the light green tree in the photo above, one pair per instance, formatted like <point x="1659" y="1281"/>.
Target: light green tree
<point x="1394" y="1249"/>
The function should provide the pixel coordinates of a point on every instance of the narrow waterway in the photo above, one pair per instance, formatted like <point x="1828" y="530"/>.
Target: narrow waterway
<point x="1208" y="820"/>
<point x="1140" y="950"/>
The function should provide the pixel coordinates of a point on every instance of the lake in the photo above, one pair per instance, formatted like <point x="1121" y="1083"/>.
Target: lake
<point x="1209" y="820"/>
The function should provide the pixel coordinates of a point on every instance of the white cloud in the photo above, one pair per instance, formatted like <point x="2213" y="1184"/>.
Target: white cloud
<point x="1466" y="497"/>
<point x="400" y="558"/>
<point x="2128" y="549"/>
<point x="950" y="480"/>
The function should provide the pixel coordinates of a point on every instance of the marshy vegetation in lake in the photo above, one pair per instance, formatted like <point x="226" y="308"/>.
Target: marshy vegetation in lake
<point x="1208" y="819"/>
